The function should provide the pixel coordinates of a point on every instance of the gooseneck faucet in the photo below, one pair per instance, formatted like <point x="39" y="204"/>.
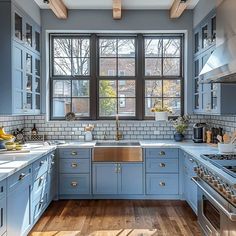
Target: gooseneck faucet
<point x="118" y="133"/>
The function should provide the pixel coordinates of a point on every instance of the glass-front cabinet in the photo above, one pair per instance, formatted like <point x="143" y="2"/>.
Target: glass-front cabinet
<point x="20" y="62"/>
<point x="26" y="31"/>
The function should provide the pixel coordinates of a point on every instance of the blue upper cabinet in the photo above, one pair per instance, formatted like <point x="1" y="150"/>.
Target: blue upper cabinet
<point x="20" y="63"/>
<point x="215" y="99"/>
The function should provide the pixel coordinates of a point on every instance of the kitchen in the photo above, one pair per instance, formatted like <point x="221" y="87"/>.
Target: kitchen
<point x="117" y="117"/>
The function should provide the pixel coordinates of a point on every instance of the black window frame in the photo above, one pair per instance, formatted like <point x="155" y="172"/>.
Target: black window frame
<point x="163" y="77"/>
<point x="94" y="77"/>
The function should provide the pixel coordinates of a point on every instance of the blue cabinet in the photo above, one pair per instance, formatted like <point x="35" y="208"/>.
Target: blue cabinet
<point x="52" y="179"/>
<point x="118" y="178"/>
<point x="190" y="189"/>
<point x="74" y="172"/>
<point x="20" y="64"/>
<point x="162" y="171"/>
<point x="3" y="207"/>
<point x="19" y="219"/>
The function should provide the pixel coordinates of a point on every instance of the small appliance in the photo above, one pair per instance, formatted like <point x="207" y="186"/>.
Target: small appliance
<point x="199" y="133"/>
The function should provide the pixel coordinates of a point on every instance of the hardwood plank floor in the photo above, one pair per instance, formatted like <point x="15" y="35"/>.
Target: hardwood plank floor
<point x="117" y="218"/>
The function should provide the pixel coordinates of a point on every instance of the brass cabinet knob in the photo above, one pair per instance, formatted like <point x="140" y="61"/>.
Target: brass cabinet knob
<point x="74" y="153"/>
<point x="162" y="153"/>
<point x="162" y="165"/>
<point x="74" y="184"/>
<point x="52" y="163"/>
<point x="162" y="184"/>
<point x="74" y="165"/>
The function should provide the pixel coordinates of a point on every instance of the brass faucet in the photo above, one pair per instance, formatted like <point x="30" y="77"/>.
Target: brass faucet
<point x="119" y="135"/>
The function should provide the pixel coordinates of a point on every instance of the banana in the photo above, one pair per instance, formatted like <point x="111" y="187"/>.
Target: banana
<point x="6" y="136"/>
<point x="2" y="131"/>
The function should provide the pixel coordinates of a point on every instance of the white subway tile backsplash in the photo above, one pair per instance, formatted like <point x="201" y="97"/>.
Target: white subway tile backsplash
<point x="130" y="129"/>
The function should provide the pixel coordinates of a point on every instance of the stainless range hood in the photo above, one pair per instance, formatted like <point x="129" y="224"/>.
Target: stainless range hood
<point x="221" y="66"/>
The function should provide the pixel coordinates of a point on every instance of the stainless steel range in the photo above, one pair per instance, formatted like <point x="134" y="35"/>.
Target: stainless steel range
<point x="217" y="196"/>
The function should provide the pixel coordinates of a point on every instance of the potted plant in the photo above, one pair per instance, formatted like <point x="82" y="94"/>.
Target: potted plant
<point x="180" y="125"/>
<point x="161" y="113"/>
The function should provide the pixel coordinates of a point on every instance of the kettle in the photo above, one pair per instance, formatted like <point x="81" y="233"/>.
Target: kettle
<point x="199" y="132"/>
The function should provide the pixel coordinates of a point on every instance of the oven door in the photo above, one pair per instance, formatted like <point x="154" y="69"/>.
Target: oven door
<point x="215" y="215"/>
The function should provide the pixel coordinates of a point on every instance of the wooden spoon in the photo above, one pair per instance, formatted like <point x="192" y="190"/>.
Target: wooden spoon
<point x="219" y="138"/>
<point x="226" y="138"/>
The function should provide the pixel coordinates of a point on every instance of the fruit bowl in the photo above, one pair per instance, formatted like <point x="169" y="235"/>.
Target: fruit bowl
<point x="3" y="142"/>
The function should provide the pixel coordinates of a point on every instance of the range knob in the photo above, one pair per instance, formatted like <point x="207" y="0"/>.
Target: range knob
<point x="215" y="182"/>
<point x="220" y="187"/>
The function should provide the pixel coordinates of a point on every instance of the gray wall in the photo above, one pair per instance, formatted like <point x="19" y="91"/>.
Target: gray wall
<point x="202" y="9"/>
<point x="132" y="21"/>
<point x="31" y="8"/>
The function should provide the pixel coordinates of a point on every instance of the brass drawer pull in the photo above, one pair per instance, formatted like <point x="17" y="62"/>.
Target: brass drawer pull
<point x="52" y="155"/>
<point x="191" y="160"/>
<point x="74" y="165"/>
<point x="162" y="153"/>
<point x="22" y="176"/>
<point x="74" y="184"/>
<point x="162" y="184"/>
<point x="74" y="153"/>
<point x="52" y="163"/>
<point x="162" y="165"/>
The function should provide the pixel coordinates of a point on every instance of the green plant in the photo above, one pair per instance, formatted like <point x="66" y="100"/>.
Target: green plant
<point x="180" y="124"/>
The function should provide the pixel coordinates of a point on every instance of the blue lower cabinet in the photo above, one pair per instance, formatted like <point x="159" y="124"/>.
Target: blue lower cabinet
<point x="155" y="165"/>
<point x="74" y="184"/>
<point x="19" y="219"/>
<point x="3" y="215"/>
<point x="105" y="178"/>
<point x="74" y="166"/>
<point x="130" y="178"/>
<point x="118" y="178"/>
<point x="162" y="184"/>
<point x="38" y="207"/>
<point x="52" y="184"/>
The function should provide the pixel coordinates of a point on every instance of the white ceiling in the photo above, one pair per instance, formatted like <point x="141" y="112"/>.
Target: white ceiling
<point x="126" y="4"/>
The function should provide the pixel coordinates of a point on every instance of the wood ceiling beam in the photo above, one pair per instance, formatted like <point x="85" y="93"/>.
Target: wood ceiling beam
<point x="178" y="8"/>
<point x="116" y="9"/>
<point x="58" y="8"/>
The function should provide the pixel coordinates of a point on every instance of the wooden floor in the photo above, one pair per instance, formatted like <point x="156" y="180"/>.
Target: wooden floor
<point x="117" y="218"/>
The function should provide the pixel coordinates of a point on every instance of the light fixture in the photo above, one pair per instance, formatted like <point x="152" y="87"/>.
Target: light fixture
<point x="46" y="1"/>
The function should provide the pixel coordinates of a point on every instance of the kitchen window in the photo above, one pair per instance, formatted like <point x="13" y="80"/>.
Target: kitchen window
<point x="99" y="76"/>
<point x="163" y="74"/>
<point x="117" y="91"/>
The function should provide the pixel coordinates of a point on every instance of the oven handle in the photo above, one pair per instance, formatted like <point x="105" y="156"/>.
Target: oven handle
<point x="230" y="215"/>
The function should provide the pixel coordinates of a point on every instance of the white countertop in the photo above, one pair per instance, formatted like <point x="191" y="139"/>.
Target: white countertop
<point x="11" y="163"/>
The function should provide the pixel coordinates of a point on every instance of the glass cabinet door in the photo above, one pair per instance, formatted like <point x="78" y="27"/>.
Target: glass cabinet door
<point x="18" y="27"/>
<point x="213" y="29"/>
<point x="196" y="42"/>
<point x="205" y="36"/>
<point x="196" y="84"/>
<point x="29" y="35"/>
<point x="37" y="41"/>
<point x="37" y="88"/>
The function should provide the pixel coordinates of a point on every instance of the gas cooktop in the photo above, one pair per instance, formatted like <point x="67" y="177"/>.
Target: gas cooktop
<point x="226" y="162"/>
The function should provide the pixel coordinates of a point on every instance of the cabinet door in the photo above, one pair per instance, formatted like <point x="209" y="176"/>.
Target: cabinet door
<point x="18" y="25"/>
<point x="3" y="215"/>
<point x="18" y="78"/>
<point x="18" y="209"/>
<point x="105" y="178"/>
<point x="190" y="187"/>
<point x="130" y="178"/>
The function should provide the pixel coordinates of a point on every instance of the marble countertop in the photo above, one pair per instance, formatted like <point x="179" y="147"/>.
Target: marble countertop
<point x="11" y="163"/>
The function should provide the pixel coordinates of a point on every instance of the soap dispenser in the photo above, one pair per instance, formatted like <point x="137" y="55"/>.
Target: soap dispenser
<point x="88" y="133"/>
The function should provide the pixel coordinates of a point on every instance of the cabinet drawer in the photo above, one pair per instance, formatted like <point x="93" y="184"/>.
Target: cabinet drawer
<point x="156" y="165"/>
<point x="74" y="166"/>
<point x="75" y="153"/>
<point x="162" y="153"/>
<point x="40" y="167"/>
<point x="39" y="186"/>
<point x="38" y="207"/>
<point x="74" y="184"/>
<point x="3" y="185"/>
<point x="162" y="184"/>
<point x="21" y="177"/>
